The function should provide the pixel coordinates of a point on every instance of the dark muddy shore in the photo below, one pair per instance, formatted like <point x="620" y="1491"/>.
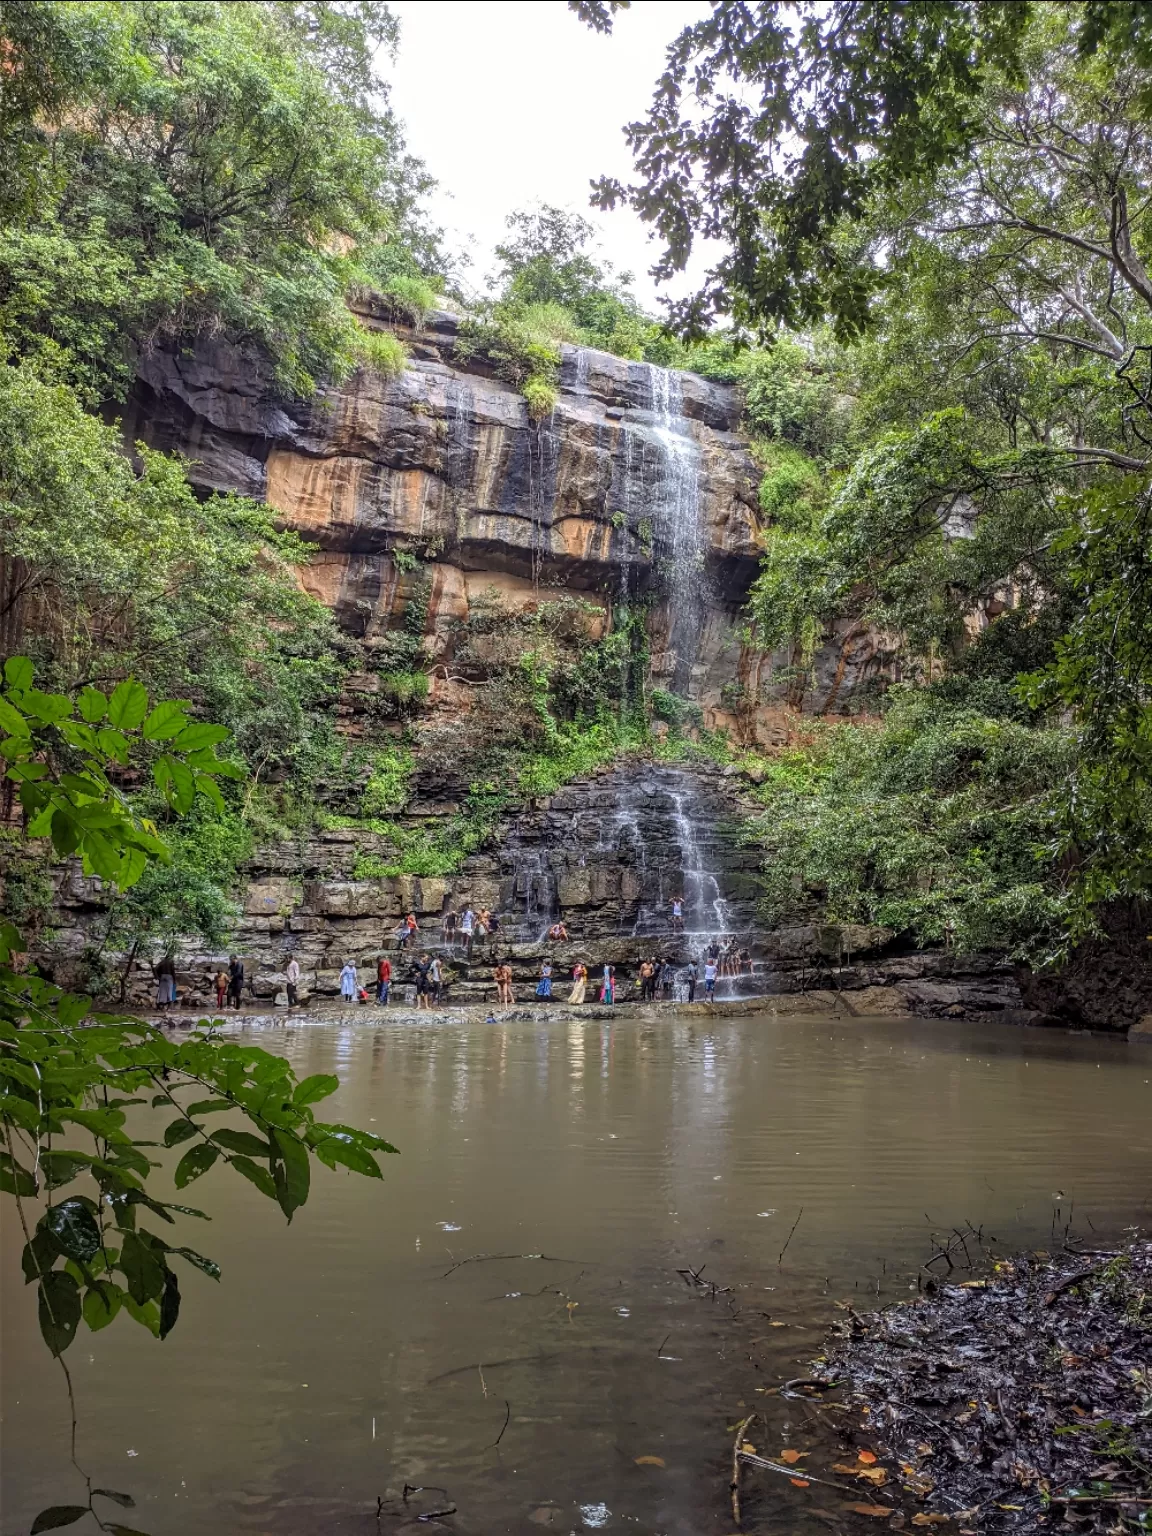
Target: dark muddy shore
<point x="1013" y="1404"/>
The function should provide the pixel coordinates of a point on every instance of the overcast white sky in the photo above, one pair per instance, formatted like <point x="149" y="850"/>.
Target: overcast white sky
<point x="509" y="102"/>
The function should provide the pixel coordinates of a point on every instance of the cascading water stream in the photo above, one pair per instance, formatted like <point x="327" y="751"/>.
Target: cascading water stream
<point x="680" y="538"/>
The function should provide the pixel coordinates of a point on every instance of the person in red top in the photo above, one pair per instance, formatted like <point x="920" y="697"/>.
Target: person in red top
<point x="383" y="980"/>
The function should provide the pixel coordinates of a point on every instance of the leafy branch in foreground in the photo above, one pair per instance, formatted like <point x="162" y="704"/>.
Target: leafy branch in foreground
<point x="78" y="1088"/>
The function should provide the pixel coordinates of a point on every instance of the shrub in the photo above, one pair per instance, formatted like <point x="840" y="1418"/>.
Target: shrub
<point x="381" y="352"/>
<point x="541" y="397"/>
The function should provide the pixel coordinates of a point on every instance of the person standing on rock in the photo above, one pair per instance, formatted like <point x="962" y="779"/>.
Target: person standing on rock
<point x="235" y="980"/>
<point x="221" y="988"/>
<point x="423" y="972"/>
<point x="608" y="986"/>
<point x="165" y="974"/>
<point x="292" y="979"/>
<point x="448" y="927"/>
<point x="544" y="985"/>
<point x="493" y="932"/>
<point x="579" y="982"/>
<point x="348" y="982"/>
<point x="467" y="923"/>
<point x="383" y="980"/>
<point x="678" y="913"/>
<point x="502" y="976"/>
<point x="647" y="980"/>
<point x="711" y="970"/>
<point x="436" y="979"/>
<point x="690" y="976"/>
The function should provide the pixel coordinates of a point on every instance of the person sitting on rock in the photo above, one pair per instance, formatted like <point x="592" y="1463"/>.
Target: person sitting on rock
<point x="558" y="933"/>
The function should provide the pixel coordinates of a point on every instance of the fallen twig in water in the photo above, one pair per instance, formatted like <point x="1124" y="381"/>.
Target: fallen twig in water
<point x="489" y="1258"/>
<point x="504" y="1426"/>
<point x="460" y="1370"/>
<point x="737" y="1456"/>
<point x="788" y="1239"/>
<point x="797" y="1473"/>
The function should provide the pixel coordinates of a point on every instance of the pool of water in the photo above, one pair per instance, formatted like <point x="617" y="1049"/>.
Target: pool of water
<point x="503" y="1318"/>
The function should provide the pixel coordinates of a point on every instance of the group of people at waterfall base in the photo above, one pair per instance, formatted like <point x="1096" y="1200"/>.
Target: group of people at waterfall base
<point x="655" y="978"/>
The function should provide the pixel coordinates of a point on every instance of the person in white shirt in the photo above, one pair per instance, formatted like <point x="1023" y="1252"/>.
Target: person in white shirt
<point x="711" y="971"/>
<point x="467" y="921"/>
<point x="292" y="977"/>
<point x="348" y="982"/>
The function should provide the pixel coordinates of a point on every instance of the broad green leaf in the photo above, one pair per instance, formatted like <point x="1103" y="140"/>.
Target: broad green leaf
<point x="257" y="1175"/>
<point x="242" y="1141"/>
<point x="209" y="1106"/>
<point x="73" y="1225"/>
<point x="19" y="672"/>
<point x="102" y="1301"/>
<point x="169" y="1304"/>
<point x="143" y="1270"/>
<point x="312" y="1089"/>
<point x="178" y="1131"/>
<point x="194" y="738"/>
<point x="15" y="1179"/>
<point x="133" y="863"/>
<point x="12" y="722"/>
<point x="38" y="1255"/>
<point x="128" y="705"/>
<point x="195" y="1162"/>
<point x="338" y="1149"/>
<point x="177" y="781"/>
<point x="92" y="704"/>
<point x="125" y="1500"/>
<point x="100" y="857"/>
<point x="58" y="1308"/>
<point x="167" y="719"/>
<point x="149" y="1315"/>
<point x="210" y="789"/>
<point x="57" y="1515"/>
<point x="21" y="1112"/>
<point x="113" y="744"/>
<point x="291" y="1171"/>
<point x="45" y="707"/>
<point x="207" y="1266"/>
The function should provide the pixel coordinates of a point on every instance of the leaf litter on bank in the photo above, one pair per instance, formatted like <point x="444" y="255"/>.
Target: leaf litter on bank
<point x="1030" y="1396"/>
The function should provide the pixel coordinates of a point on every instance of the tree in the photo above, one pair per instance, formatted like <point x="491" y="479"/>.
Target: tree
<point x="186" y="166"/>
<point x="71" y="1079"/>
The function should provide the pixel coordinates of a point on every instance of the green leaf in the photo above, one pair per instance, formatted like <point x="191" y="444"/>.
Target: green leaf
<point x="19" y="672"/>
<point x="209" y="788"/>
<point x="195" y="1162"/>
<point x="339" y="1149"/>
<point x="56" y="1515"/>
<point x="102" y="1301"/>
<point x="143" y="1270"/>
<point x="291" y="1171"/>
<point x="113" y="744"/>
<point x="169" y="1304"/>
<point x="100" y="857"/>
<point x="177" y="782"/>
<point x="256" y="1175"/>
<point x="206" y="1266"/>
<point x="194" y="738"/>
<point x="128" y="705"/>
<point x="148" y="1315"/>
<point x="167" y="719"/>
<point x="39" y="1255"/>
<point x="209" y="1106"/>
<point x="46" y="707"/>
<point x="125" y="1500"/>
<point x="12" y="722"/>
<point x="178" y="1131"/>
<point x="242" y="1141"/>
<point x="58" y="1308"/>
<point x="92" y="704"/>
<point x="15" y="1179"/>
<point x="73" y="1225"/>
<point x="62" y="1167"/>
<point x="315" y="1088"/>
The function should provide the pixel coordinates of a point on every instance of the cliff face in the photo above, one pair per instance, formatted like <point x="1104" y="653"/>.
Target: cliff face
<point x="638" y="483"/>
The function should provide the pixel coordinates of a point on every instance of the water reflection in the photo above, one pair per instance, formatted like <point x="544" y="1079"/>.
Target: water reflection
<point x="356" y="1351"/>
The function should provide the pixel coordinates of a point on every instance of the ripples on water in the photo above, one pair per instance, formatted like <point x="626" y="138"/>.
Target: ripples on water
<point x="345" y="1356"/>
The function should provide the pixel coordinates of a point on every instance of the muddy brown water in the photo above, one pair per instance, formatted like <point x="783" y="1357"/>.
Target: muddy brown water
<point x="340" y="1359"/>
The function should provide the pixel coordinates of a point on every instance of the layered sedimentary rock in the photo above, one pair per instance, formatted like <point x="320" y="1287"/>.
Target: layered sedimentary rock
<point x="637" y="483"/>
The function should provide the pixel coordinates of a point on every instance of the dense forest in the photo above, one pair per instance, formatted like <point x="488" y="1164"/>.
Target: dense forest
<point x="936" y="308"/>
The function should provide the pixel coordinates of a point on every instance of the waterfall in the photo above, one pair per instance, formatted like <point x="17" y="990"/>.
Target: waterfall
<point x="680" y="538"/>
